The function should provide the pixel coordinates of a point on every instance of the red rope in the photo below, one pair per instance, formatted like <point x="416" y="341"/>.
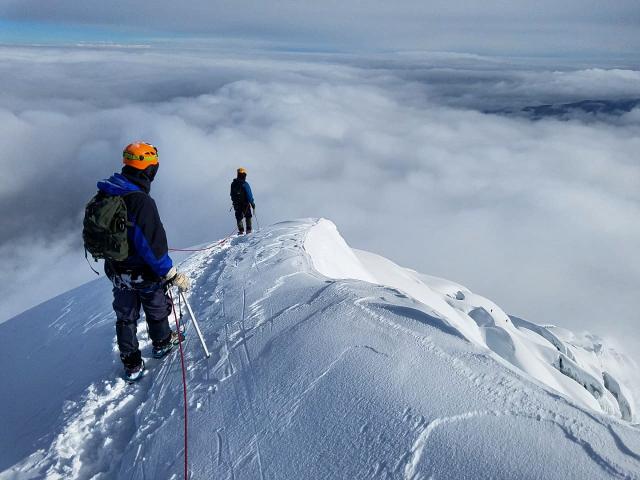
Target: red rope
<point x="184" y="390"/>
<point x="184" y="372"/>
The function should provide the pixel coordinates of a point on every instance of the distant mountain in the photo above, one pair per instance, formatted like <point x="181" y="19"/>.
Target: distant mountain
<point x="566" y="111"/>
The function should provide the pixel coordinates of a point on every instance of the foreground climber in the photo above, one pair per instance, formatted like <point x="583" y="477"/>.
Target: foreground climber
<point x="242" y="200"/>
<point x="122" y="225"/>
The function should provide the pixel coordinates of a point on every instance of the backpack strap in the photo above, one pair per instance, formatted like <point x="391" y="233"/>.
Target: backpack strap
<point x="86" y="257"/>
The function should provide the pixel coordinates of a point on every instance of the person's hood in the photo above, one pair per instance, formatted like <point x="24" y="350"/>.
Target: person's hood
<point x="117" y="184"/>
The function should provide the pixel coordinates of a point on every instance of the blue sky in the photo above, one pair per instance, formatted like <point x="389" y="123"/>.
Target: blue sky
<point x="572" y="29"/>
<point x="20" y="32"/>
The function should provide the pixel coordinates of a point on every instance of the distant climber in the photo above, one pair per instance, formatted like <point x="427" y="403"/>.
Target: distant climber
<point x="242" y="200"/>
<point x="122" y="226"/>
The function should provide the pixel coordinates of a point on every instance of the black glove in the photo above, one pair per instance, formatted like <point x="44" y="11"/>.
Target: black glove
<point x="253" y="205"/>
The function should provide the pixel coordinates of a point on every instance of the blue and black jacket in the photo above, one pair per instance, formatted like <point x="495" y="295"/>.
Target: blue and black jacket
<point x="148" y="258"/>
<point x="241" y="195"/>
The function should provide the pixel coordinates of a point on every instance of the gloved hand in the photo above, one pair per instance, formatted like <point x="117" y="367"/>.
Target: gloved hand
<point x="178" y="279"/>
<point x="253" y="205"/>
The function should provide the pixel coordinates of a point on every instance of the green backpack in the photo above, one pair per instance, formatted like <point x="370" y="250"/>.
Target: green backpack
<point x="105" y="228"/>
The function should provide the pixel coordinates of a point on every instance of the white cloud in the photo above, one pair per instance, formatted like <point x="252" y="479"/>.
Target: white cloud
<point x="36" y="270"/>
<point x="540" y="216"/>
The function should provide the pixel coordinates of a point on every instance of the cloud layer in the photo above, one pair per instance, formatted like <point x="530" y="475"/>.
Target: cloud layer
<point x="539" y="216"/>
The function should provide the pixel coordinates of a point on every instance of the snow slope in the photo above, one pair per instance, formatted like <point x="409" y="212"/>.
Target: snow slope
<point x="327" y="363"/>
<point x="582" y="370"/>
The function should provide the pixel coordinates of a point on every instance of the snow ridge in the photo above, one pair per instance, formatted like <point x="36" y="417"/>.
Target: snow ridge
<point x="311" y="376"/>
<point x="529" y="347"/>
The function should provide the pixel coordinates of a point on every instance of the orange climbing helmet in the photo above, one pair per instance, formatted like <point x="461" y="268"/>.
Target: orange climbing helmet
<point x="140" y="155"/>
<point x="242" y="171"/>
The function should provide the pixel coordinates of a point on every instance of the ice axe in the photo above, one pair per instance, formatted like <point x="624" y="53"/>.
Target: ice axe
<point x="257" y="221"/>
<point x="195" y="324"/>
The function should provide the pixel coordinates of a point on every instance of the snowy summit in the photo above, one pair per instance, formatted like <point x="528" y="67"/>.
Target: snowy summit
<point x="327" y="362"/>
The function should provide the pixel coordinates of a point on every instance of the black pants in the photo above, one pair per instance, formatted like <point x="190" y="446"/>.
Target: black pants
<point x="126" y="304"/>
<point x="243" y="212"/>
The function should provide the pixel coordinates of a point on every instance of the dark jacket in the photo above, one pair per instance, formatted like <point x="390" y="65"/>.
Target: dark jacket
<point x="241" y="195"/>
<point x="148" y="258"/>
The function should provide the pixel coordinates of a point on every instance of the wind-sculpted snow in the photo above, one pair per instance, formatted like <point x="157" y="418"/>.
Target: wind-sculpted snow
<point x="531" y="348"/>
<point x="310" y="378"/>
